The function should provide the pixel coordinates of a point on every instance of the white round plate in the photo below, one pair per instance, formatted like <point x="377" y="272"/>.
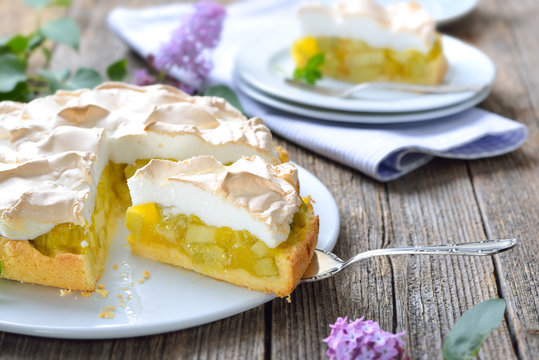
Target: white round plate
<point x="443" y="11"/>
<point x="265" y="63"/>
<point x="358" y="117"/>
<point x="171" y="299"/>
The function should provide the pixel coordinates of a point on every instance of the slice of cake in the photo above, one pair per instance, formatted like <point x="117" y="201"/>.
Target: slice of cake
<point x="244" y="223"/>
<point x="63" y="165"/>
<point x="363" y="41"/>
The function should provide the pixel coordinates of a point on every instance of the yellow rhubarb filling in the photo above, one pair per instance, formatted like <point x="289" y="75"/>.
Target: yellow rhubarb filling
<point x="355" y="61"/>
<point x="211" y="248"/>
<point x="91" y="240"/>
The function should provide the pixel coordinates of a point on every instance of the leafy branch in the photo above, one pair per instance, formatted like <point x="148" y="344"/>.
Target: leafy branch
<point x="18" y="84"/>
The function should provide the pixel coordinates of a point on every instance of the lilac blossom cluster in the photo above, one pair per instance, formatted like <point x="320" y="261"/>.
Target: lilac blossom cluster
<point x="190" y="45"/>
<point x="189" y="48"/>
<point x="361" y="339"/>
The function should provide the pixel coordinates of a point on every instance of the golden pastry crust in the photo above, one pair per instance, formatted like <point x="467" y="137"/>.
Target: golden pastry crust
<point x="21" y="261"/>
<point x="291" y="264"/>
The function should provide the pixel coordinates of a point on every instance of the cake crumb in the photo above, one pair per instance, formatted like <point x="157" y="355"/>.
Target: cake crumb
<point x="86" y="293"/>
<point x="289" y="299"/>
<point x="120" y="296"/>
<point x="124" y="288"/>
<point x="146" y="274"/>
<point x="101" y="291"/>
<point x="115" y="266"/>
<point x="108" y="312"/>
<point x="141" y="281"/>
<point x="64" y="292"/>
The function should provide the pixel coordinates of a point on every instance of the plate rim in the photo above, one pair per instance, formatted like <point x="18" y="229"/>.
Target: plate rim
<point x="241" y="67"/>
<point x="116" y="331"/>
<point x="359" y="117"/>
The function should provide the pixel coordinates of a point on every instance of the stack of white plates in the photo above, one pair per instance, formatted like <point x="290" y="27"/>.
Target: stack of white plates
<point x="262" y="66"/>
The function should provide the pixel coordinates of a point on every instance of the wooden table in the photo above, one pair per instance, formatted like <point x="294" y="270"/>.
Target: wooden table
<point x="443" y="202"/>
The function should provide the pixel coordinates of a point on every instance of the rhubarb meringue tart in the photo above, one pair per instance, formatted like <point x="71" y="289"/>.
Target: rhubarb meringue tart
<point x="64" y="160"/>
<point x="243" y="223"/>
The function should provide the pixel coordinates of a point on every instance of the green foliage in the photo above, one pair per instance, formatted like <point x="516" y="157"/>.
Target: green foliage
<point x="471" y="330"/>
<point x="15" y="81"/>
<point x="12" y="72"/>
<point x="63" y="31"/>
<point x="226" y="93"/>
<point x="40" y="4"/>
<point x="310" y="73"/>
<point x="118" y="70"/>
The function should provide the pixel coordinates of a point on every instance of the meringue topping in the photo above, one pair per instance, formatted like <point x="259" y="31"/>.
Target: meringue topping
<point x="400" y="26"/>
<point x="248" y="195"/>
<point x="54" y="149"/>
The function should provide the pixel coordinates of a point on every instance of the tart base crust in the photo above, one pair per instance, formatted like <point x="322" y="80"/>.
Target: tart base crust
<point x="291" y="264"/>
<point x="23" y="262"/>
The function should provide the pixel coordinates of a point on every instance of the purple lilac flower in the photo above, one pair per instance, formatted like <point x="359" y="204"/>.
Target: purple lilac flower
<point x="361" y="339"/>
<point x="190" y="45"/>
<point x="142" y="77"/>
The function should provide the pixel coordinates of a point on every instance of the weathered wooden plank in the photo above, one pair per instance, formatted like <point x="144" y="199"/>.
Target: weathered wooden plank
<point x="432" y="292"/>
<point x="507" y="187"/>
<point x="365" y="290"/>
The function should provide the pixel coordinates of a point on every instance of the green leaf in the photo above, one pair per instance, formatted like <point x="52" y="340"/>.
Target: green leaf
<point x="118" y="70"/>
<point x="471" y="330"/>
<point x="4" y="48"/>
<point x="63" y="31"/>
<point x="40" y="4"/>
<point x="18" y="44"/>
<point x="19" y="93"/>
<point x="12" y="72"/>
<point x="84" y="78"/>
<point x="310" y="73"/>
<point x="37" y="4"/>
<point x="226" y="93"/>
<point x="35" y="40"/>
<point x="56" y="79"/>
<point x="315" y="61"/>
<point x="62" y="3"/>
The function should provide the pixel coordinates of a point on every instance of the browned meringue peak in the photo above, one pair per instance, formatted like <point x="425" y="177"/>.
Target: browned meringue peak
<point x="131" y="113"/>
<point x="245" y="195"/>
<point x="39" y="194"/>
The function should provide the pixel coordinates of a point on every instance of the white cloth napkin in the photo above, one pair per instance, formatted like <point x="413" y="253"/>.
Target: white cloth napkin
<point x="384" y="152"/>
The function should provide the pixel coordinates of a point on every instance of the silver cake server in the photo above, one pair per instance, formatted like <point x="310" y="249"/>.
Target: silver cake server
<point x="325" y="264"/>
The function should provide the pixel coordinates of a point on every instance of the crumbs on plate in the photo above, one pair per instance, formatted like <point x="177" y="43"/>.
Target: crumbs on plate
<point x="108" y="312"/>
<point x="146" y="276"/>
<point x="101" y="291"/>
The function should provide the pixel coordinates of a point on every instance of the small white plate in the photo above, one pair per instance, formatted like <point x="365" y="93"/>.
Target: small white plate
<point x="171" y="299"/>
<point x="443" y="11"/>
<point x="357" y="117"/>
<point x="265" y="63"/>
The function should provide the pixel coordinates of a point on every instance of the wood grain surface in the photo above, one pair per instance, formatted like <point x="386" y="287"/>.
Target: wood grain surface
<point x="444" y="201"/>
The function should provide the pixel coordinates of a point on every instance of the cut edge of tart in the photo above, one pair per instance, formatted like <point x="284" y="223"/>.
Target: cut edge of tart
<point x="256" y="233"/>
